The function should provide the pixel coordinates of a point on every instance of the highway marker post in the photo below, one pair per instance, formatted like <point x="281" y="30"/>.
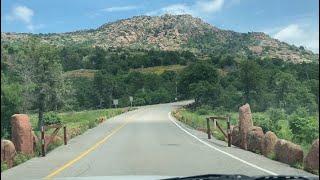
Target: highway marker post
<point x="131" y="100"/>
<point x="115" y="102"/>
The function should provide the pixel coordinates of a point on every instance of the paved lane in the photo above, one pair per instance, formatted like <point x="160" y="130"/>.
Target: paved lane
<point x="147" y="142"/>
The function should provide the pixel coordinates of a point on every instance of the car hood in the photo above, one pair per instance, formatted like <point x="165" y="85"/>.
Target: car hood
<point x="131" y="177"/>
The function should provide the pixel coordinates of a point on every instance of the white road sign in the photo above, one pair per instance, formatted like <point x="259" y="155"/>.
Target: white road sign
<point x="115" y="101"/>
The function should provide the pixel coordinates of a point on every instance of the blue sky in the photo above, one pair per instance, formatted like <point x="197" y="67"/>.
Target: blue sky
<point x="292" y="21"/>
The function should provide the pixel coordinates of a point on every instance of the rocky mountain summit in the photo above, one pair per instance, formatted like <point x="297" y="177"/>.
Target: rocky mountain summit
<point x="174" y="32"/>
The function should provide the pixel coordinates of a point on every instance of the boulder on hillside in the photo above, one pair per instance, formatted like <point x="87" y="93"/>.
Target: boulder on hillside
<point x="311" y="161"/>
<point x="269" y="142"/>
<point x="255" y="139"/>
<point x="235" y="136"/>
<point x="22" y="133"/>
<point x="288" y="152"/>
<point x="245" y="123"/>
<point x="8" y="152"/>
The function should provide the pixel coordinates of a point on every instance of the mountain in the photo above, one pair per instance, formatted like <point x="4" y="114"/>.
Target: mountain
<point x="174" y="32"/>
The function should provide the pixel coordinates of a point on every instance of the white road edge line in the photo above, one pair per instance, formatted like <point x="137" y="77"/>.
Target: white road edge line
<point x="230" y="155"/>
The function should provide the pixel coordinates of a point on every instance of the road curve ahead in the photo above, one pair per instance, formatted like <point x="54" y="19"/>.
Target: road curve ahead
<point x="146" y="142"/>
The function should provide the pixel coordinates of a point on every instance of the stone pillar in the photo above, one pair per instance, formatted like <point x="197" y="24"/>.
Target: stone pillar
<point x="22" y="136"/>
<point x="245" y="123"/>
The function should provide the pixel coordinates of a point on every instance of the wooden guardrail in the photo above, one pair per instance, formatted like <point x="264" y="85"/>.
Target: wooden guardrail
<point x="53" y="134"/>
<point x="215" y="119"/>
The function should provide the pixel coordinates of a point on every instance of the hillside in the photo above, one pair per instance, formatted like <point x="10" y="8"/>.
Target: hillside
<point x="174" y="32"/>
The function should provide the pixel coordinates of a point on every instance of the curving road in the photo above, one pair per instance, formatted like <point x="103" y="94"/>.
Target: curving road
<point x="146" y="142"/>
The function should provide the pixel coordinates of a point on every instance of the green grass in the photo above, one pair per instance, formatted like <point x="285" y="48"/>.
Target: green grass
<point x="21" y="158"/>
<point x="197" y="120"/>
<point x="76" y="122"/>
<point x="4" y="166"/>
<point x="160" y="69"/>
<point x="88" y="73"/>
<point x="74" y="119"/>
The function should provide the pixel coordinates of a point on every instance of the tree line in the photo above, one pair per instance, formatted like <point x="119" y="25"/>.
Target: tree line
<point x="33" y="80"/>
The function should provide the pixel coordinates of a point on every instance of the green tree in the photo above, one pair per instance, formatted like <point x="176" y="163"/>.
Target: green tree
<point x="195" y="73"/>
<point x="251" y="79"/>
<point x="46" y="73"/>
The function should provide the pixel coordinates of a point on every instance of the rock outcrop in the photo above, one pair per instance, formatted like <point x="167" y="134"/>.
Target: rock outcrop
<point x="22" y="136"/>
<point x="255" y="139"/>
<point x="235" y="136"/>
<point x="311" y="161"/>
<point x="288" y="152"/>
<point x="269" y="141"/>
<point x="245" y="123"/>
<point x="8" y="152"/>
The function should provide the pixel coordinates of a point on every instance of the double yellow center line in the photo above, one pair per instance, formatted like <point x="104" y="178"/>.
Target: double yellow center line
<point x="83" y="154"/>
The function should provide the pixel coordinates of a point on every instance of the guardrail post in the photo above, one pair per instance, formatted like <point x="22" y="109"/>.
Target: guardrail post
<point x="229" y="132"/>
<point x="65" y="135"/>
<point x="208" y="128"/>
<point x="43" y="153"/>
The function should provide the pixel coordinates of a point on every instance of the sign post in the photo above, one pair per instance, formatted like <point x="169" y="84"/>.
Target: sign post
<point x="115" y="102"/>
<point x="131" y="100"/>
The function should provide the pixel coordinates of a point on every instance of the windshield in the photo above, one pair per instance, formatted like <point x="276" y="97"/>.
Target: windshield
<point x="159" y="89"/>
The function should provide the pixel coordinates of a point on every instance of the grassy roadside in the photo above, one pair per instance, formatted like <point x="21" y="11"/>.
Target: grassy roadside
<point x="76" y="122"/>
<point x="79" y="122"/>
<point x="197" y="120"/>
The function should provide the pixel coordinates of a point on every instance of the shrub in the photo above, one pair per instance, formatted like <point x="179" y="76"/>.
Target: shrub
<point x="139" y="102"/>
<point x="305" y="128"/>
<point x="263" y="121"/>
<point x="93" y="123"/>
<point x="203" y="110"/>
<point x="21" y="158"/>
<point x="53" y="145"/>
<point x="218" y="135"/>
<point x="51" y="118"/>
<point x="275" y="115"/>
<point x="4" y="166"/>
<point x="284" y="131"/>
<point x="220" y="110"/>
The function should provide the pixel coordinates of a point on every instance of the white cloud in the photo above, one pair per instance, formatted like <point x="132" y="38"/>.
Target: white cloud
<point x="175" y="9"/>
<point x="21" y="13"/>
<point x="25" y="15"/>
<point x="119" y="8"/>
<point x="299" y="35"/>
<point x="198" y="9"/>
<point x="209" y="6"/>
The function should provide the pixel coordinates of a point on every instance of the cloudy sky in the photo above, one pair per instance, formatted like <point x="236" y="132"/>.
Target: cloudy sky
<point x="293" y="21"/>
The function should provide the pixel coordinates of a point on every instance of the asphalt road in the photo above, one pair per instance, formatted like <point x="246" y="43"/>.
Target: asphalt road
<point x="146" y="142"/>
